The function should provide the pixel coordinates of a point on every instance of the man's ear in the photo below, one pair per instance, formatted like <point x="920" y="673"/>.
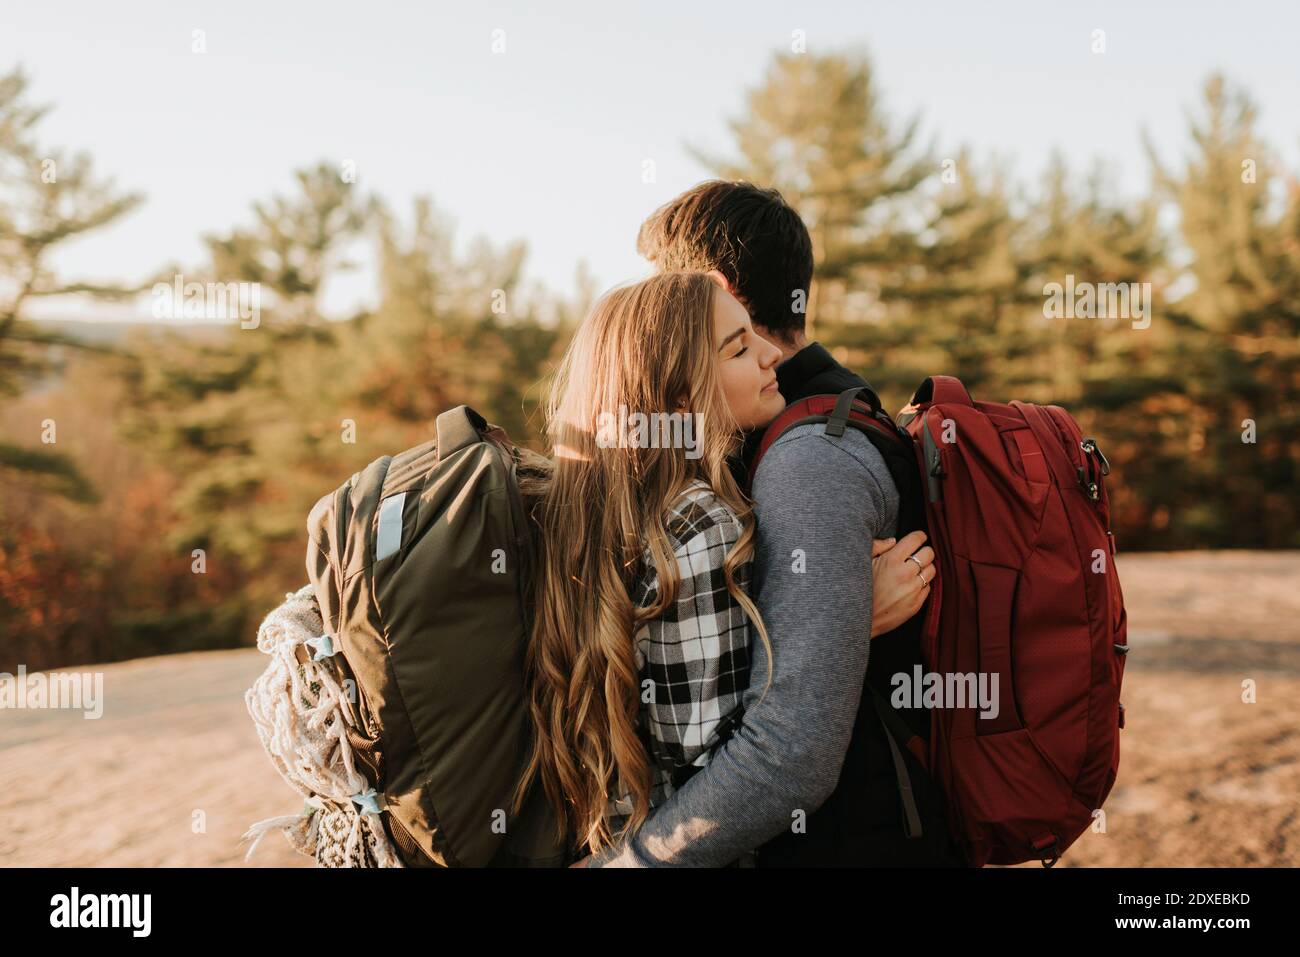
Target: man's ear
<point x="721" y="280"/>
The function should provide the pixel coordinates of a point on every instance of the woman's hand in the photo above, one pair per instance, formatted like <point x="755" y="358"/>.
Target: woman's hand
<point x="900" y="580"/>
<point x="582" y="862"/>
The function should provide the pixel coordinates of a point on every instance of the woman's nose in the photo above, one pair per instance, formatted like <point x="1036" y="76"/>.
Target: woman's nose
<point x="773" y="356"/>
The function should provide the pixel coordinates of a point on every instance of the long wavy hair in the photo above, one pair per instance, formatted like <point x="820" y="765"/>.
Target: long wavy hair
<point x="645" y="347"/>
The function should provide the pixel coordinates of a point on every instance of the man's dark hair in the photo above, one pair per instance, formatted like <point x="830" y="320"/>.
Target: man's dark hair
<point x="747" y="233"/>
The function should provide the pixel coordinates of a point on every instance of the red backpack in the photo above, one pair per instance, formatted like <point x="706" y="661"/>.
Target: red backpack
<point x="1017" y="513"/>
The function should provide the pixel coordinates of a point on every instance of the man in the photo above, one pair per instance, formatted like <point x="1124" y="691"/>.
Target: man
<point x="808" y="778"/>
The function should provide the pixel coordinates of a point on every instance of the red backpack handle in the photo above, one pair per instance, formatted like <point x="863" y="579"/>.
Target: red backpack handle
<point x="940" y="389"/>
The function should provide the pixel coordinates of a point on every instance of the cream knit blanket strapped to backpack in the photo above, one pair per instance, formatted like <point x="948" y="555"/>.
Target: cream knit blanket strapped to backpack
<point x="300" y="712"/>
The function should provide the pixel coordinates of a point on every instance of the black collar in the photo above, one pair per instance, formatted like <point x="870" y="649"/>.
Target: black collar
<point x="809" y="362"/>
<point x="813" y="370"/>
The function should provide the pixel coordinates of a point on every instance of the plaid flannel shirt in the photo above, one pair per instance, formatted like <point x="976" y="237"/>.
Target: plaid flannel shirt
<point x="696" y="655"/>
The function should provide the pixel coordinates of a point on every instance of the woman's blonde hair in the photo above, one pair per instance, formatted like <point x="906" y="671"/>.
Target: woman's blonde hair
<point x="644" y="348"/>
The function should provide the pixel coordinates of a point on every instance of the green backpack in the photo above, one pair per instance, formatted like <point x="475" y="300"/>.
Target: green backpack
<point x="421" y="567"/>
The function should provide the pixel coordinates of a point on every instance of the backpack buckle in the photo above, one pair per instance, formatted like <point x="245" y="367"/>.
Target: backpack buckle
<point x="1087" y="486"/>
<point x="1045" y="846"/>
<point x="1088" y="480"/>
<point x="1089" y="445"/>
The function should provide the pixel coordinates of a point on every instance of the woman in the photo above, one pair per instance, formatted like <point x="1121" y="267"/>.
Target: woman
<point x="640" y="647"/>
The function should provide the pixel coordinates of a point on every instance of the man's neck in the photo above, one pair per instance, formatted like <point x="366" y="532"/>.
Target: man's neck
<point x="789" y="347"/>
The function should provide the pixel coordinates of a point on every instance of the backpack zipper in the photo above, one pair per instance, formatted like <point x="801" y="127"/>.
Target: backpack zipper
<point x="933" y="464"/>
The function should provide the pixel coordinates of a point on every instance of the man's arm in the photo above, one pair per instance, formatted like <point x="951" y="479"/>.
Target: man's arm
<point x="819" y="502"/>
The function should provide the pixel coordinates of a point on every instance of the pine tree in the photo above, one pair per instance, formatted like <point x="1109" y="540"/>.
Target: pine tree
<point x="1112" y="371"/>
<point x="294" y="243"/>
<point x="1236" y="349"/>
<point x="953" y="295"/>
<point x="815" y="129"/>
<point x="226" y="412"/>
<point x="47" y="198"/>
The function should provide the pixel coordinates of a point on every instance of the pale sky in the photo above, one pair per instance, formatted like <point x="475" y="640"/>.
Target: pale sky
<point x="546" y="141"/>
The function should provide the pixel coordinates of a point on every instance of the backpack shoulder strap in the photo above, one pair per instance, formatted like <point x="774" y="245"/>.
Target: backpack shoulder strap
<point x="848" y="409"/>
<point x="894" y="726"/>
